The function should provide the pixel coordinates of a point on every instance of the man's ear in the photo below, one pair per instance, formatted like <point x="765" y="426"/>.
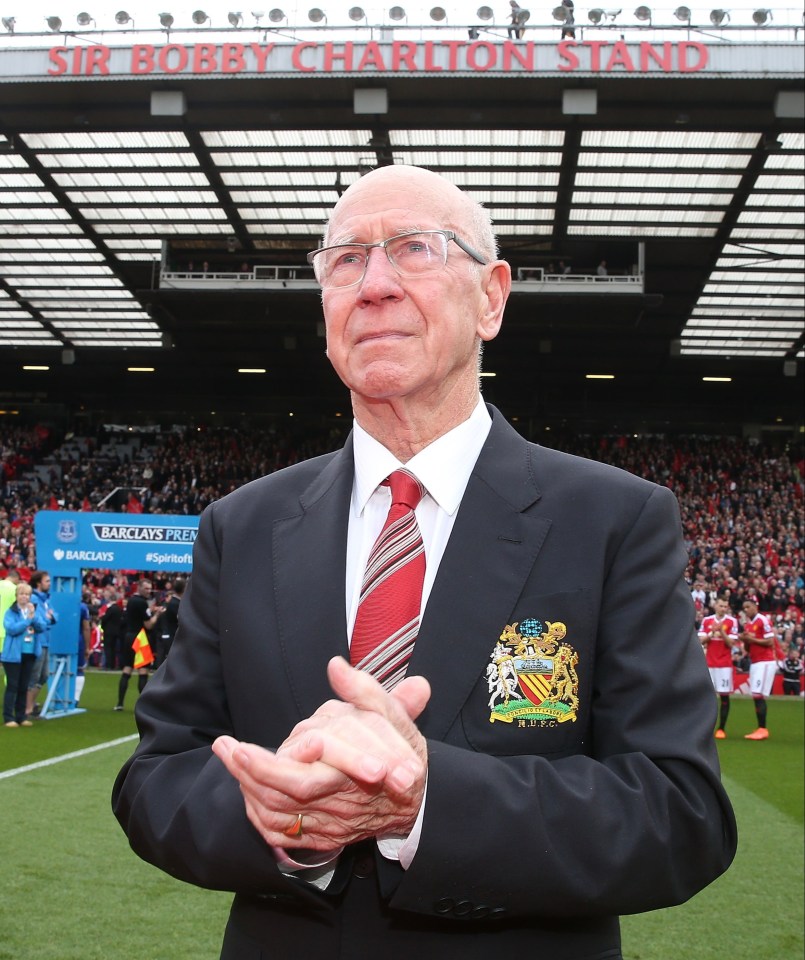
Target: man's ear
<point x="498" y="284"/>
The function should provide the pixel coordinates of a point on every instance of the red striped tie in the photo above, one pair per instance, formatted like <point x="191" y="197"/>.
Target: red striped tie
<point x="387" y="622"/>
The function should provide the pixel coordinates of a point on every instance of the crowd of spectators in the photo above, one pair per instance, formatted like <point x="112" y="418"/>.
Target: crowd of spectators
<point x="741" y="501"/>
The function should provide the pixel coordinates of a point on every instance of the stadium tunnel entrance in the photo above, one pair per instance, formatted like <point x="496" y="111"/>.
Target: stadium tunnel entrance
<point x="70" y="543"/>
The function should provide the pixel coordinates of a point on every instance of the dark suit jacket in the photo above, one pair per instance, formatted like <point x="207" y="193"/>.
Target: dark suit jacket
<point x="536" y="834"/>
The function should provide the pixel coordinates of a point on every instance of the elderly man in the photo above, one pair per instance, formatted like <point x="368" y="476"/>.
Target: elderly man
<point x="523" y="745"/>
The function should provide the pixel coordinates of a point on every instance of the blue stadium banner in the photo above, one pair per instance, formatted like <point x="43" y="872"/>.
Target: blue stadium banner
<point x="68" y="542"/>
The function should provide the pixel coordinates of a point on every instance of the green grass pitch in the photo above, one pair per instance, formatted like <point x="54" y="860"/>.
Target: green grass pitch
<point x="79" y="893"/>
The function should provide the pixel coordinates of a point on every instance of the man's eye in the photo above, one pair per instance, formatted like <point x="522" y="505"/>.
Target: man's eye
<point x="348" y="257"/>
<point x="413" y="247"/>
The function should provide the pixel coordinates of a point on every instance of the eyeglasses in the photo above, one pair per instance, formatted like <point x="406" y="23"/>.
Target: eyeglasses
<point x="411" y="255"/>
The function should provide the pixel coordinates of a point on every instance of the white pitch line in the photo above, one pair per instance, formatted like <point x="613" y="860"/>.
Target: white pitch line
<point x="5" y="774"/>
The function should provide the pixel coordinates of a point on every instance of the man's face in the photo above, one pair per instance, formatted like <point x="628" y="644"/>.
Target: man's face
<point x="44" y="583"/>
<point x="721" y="608"/>
<point x="750" y="609"/>
<point x="145" y="588"/>
<point x="390" y="337"/>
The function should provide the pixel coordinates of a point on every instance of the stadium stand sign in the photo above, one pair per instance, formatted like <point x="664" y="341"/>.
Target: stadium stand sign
<point x="69" y="543"/>
<point x="401" y="57"/>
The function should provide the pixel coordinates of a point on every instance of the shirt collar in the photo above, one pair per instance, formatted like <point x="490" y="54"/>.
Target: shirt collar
<point x="443" y="467"/>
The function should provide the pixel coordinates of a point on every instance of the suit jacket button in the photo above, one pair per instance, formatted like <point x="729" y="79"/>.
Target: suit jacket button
<point x="497" y="913"/>
<point x="364" y="866"/>
<point x="463" y="908"/>
<point x="480" y="912"/>
<point x="445" y="905"/>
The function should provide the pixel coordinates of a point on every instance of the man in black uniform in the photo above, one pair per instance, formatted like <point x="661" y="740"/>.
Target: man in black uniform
<point x="170" y="619"/>
<point x="138" y="615"/>
<point x="112" y="629"/>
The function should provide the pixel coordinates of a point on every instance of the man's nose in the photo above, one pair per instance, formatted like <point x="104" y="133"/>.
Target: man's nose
<point x="379" y="277"/>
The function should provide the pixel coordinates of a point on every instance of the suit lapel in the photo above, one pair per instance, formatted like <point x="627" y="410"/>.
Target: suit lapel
<point x="308" y="576"/>
<point x="491" y="551"/>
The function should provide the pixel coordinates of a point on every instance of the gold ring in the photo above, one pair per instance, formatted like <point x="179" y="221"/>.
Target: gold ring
<point x="295" y="830"/>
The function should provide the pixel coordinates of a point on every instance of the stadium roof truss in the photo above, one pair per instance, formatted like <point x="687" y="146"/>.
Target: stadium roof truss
<point x="92" y="187"/>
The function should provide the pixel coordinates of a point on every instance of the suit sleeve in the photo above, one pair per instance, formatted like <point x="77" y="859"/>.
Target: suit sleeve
<point x="639" y="822"/>
<point x="180" y="808"/>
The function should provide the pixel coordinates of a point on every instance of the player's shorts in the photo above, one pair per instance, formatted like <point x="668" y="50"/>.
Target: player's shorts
<point x="722" y="679"/>
<point x="127" y="653"/>
<point x="761" y="677"/>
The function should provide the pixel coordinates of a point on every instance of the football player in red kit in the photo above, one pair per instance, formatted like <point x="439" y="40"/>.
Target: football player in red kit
<point x="717" y="633"/>
<point x="758" y="638"/>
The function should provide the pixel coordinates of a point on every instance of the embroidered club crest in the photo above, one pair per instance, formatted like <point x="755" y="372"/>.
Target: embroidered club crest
<point x="532" y="676"/>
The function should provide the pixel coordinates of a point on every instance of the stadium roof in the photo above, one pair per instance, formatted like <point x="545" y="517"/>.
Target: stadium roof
<point x="115" y="190"/>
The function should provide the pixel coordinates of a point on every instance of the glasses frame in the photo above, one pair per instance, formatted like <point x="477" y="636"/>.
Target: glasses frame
<point x="447" y="234"/>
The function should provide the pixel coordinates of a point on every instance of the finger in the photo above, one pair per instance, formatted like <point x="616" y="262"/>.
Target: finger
<point x="224" y="748"/>
<point x="370" y="733"/>
<point x="281" y="783"/>
<point x="414" y="694"/>
<point x="361" y="743"/>
<point x="351" y="758"/>
<point x="356" y="686"/>
<point x="365" y="693"/>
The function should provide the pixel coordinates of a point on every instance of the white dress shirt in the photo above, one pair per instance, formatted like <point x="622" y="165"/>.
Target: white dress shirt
<point x="443" y="468"/>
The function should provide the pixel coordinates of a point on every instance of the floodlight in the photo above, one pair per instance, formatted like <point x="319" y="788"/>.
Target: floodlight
<point x="356" y="13"/>
<point x="761" y="16"/>
<point x="259" y="14"/>
<point x="54" y="23"/>
<point x="275" y="16"/>
<point x="643" y="13"/>
<point x="9" y="23"/>
<point x="122" y="18"/>
<point x="166" y="19"/>
<point x="484" y="13"/>
<point x="683" y="13"/>
<point x="559" y="13"/>
<point x="717" y="17"/>
<point x="316" y="15"/>
<point x="596" y="15"/>
<point x="438" y="13"/>
<point x="199" y="17"/>
<point x="612" y="13"/>
<point x="236" y="19"/>
<point x="397" y="13"/>
<point x="84" y="19"/>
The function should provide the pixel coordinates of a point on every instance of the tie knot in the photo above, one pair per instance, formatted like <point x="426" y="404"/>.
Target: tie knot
<point x="405" y="489"/>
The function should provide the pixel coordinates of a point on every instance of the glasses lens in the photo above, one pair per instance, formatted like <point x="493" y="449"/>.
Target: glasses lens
<point x="411" y="254"/>
<point x="341" y="266"/>
<point x="416" y="253"/>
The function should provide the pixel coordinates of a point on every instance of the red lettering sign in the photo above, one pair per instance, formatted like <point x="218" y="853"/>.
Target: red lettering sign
<point x="699" y="48"/>
<point x="262" y="54"/>
<point x="566" y="53"/>
<point x="58" y="61"/>
<point x="170" y="64"/>
<point x="296" y="56"/>
<point x="97" y="59"/>
<point x="142" y="58"/>
<point x="404" y="55"/>
<point x="481" y="56"/>
<point x="592" y="56"/>
<point x="372" y="57"/>
<point x="204" y="59"/>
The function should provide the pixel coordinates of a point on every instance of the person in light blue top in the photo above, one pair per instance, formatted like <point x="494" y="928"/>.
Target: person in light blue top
<point x="24" y="625"/>
<point x="40" y="585"/>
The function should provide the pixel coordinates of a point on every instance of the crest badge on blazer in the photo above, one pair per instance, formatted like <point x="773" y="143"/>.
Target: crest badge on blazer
<point x="532" y="675"/>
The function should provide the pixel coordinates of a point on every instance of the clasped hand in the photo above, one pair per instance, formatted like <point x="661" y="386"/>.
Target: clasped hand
<point x="355" y="769"/>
